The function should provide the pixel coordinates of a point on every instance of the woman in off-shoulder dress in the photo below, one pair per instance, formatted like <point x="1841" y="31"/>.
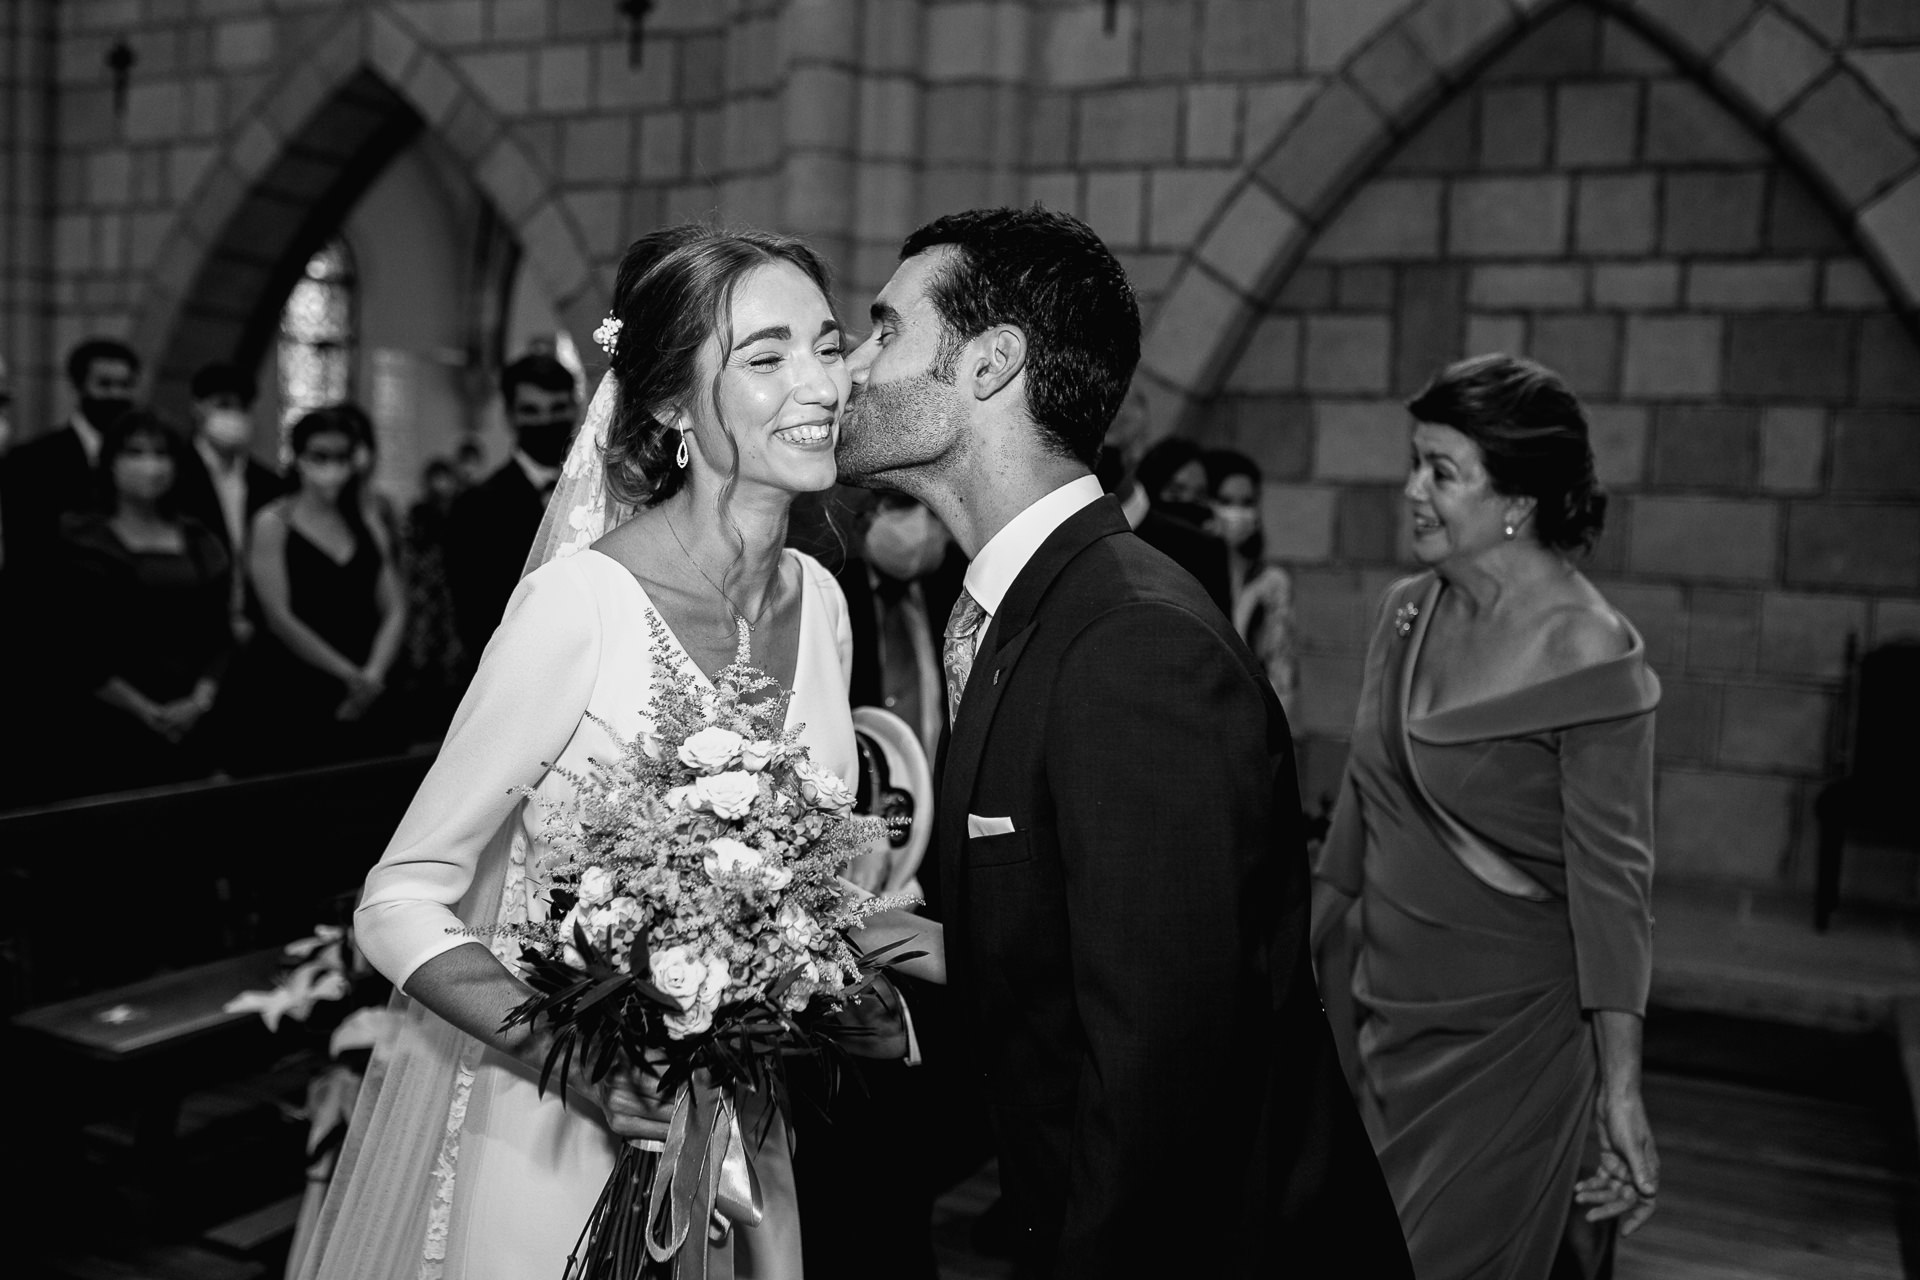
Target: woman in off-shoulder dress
<point x="1495" y="827"/>
<point x="721" y="405"/>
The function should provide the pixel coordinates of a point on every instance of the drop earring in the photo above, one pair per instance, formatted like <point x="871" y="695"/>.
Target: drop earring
<point x="680" y="460"/>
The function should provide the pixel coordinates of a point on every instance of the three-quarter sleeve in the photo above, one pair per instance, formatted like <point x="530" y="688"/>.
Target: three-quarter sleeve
<point x="1606" y="790"/>
<point x="535" y="681"/>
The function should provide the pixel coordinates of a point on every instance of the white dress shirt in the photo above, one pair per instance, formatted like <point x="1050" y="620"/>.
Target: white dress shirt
<point x="992" y="572"/>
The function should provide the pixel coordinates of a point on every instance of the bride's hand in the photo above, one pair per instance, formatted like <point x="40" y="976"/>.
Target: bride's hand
<point x="633" y="1105"/>
<point x="914" y="933"/>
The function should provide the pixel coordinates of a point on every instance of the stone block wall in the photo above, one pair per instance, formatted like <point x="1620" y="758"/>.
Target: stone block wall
<point x="1706" y="214"/>
<point x="1755" y="400"/>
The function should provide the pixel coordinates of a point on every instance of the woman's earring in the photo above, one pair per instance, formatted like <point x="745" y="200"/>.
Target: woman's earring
<point x="1510" y="529"/>
<point x="680" y="460"/>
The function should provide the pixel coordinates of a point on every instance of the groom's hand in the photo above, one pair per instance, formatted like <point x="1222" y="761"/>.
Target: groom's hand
<point x="873" y="1024"/>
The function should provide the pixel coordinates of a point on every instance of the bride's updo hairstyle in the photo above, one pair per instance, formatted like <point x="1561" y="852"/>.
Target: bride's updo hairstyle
<point x="1532" y="435"/>
<point x="673" y="292"/>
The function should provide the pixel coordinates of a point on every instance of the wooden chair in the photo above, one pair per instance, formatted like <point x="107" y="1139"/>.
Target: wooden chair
<point x="1877" y="795"/>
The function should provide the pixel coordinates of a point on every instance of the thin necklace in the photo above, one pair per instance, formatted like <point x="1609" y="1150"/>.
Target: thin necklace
<point x="739" y="619"/>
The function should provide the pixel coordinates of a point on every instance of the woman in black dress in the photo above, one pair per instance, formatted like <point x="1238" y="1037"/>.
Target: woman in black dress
<point x="334" y="611"/>
<point x="146" y="632"/>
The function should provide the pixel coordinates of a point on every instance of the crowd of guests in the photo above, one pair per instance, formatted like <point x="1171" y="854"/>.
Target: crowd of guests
<point x="179" y="607"/>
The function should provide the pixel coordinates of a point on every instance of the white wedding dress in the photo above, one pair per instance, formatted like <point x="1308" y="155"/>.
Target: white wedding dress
<point x="508" y="1176"/>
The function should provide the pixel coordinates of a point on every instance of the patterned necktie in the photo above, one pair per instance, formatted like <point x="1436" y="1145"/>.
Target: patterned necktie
<point x="956" y="654"/>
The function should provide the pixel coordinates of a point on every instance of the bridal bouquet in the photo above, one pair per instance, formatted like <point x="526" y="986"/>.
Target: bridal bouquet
<point x="697" y="929"/>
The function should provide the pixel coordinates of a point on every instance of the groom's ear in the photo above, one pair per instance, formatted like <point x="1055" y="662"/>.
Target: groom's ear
<point x="994" y="359"/>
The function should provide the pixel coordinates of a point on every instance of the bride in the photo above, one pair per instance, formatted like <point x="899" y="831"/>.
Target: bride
<point x="721" y="404"/>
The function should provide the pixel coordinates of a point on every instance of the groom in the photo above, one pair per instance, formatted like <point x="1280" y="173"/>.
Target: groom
<point x="1121" y="867"/>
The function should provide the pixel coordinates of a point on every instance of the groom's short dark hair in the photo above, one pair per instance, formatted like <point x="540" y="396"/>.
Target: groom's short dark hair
<point x="1050" y="276"/>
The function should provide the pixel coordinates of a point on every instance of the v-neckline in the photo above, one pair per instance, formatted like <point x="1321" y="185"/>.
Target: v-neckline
<point x="686" y="658"/>
<point x="353" y="552"/>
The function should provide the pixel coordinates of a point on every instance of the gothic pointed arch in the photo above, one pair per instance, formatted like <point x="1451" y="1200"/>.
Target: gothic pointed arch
<point x="1778" y="75"/>
<point x="299" y="160"/>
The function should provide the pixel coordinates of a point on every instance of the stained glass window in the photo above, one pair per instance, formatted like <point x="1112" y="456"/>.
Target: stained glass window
<point x="317" y="335"/>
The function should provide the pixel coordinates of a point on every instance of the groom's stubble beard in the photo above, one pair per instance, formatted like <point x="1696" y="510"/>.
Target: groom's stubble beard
<point x="896" y="429"/>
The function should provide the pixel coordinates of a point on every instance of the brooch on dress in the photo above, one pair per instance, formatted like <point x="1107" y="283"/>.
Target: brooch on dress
<point x="1403" y="617"/>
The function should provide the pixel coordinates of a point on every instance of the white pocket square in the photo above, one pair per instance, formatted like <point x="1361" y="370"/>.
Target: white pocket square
<point x="979" y="826"/>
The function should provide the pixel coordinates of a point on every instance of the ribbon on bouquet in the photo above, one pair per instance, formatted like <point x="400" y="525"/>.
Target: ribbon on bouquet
<point x="704" y="1171"/>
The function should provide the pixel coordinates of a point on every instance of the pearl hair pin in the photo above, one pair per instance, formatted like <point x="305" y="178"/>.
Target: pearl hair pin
<point x="608" y="334"/>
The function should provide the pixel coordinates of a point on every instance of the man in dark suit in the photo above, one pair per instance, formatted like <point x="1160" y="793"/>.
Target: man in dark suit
<point x="42" y="480"/>
<point x="50" y="475"/>
<point x="223" y="485"/>
<point x="492" y="525"/>
<point x="1125" y="885"/>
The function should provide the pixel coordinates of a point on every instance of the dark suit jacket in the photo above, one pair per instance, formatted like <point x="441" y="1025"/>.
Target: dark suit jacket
<point x="1130" y="962"/>
<point x="194" y="494"/>
<point x="1195" y="550"/>
<point x="40" y="481"/>
<point x="489" y="534"/>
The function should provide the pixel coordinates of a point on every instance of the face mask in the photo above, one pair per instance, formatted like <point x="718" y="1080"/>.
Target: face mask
<point x="545" y="442"/>
<point x="228" y="428"/>
<point x="906" y="544"/>
<point x="103" y="411"/>
<point x="325" y="478"/>
<point x="1185" y="512"/>
<point x="142" y="475"/>
<point x="1235" y="524"/>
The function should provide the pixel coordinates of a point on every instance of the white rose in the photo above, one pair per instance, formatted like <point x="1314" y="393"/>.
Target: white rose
<point x="596" y="886"/>
<point x="728" y="795"/>
<point x="712" y="749"/>
<point x="678" y="974"/>
<point x="691" y="1023"/>
<point x="687" y="797"/>
<point x="822" y="789"/>
<point x="756" y="756"/>
<point x="775" y="876"/>
<point x="727" y="854"/>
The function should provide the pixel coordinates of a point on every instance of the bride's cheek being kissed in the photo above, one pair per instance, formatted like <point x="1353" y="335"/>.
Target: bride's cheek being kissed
<point x="782" y="384"/>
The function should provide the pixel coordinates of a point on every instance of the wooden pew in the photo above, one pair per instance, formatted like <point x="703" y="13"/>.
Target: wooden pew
<point x="113" y="889"/>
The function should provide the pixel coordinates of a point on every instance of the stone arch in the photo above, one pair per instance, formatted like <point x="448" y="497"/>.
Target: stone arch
<point x="300" y="158"/>
<point x="1388" y="88"/>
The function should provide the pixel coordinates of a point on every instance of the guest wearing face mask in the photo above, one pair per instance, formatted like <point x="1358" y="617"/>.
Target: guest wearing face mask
<point x="493" y="523"/>
<point x="900" y="582"/>
<point x="334" y="610"/>
<point x="144" y="634"/>
<point x="1165" y="500"/>
<point x="1262" y="591"/>
<point x="221" y="483"/>
<point x="44" y="478"/>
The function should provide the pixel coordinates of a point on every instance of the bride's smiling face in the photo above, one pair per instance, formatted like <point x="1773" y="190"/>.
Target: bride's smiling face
<point x="780" y="387"/>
